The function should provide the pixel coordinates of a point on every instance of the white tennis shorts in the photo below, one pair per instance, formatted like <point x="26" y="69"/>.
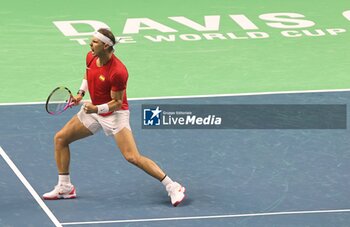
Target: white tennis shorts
<point x="110" y="124"/>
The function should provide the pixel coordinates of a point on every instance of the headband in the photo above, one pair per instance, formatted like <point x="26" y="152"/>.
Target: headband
<point x="103" y="38"/>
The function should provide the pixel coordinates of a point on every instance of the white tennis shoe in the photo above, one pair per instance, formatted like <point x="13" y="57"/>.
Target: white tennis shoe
<point x="63" y="191"/>
<point x="176" y="193"/>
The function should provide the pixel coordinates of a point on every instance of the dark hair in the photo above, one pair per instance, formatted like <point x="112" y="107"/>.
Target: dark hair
<point x="109" y="34"/>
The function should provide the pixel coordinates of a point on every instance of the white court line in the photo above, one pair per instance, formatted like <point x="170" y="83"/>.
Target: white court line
<point x="30" y="188"/>
<point x="201" y="96"/>
<point x="209" y="217"/>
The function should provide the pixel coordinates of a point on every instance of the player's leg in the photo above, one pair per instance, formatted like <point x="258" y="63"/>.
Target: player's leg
<point x="128" y="148"/>
<point x="74" y="130"/>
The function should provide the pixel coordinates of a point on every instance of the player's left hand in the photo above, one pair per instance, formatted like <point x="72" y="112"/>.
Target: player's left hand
<point x="90" y="108"/>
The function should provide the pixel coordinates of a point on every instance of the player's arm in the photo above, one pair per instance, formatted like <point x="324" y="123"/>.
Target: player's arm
<point x="81" y="92"/>
<point x="113" y="105"/>
<point x="117" y="100"/>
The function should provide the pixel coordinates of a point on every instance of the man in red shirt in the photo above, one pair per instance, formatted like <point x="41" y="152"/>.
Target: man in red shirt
<point x="106" y="79"/>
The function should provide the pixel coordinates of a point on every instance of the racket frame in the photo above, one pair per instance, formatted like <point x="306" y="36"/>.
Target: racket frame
<point x="69" y="102"/>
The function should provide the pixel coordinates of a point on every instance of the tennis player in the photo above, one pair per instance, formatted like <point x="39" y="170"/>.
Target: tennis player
<point x="106" y="80"/>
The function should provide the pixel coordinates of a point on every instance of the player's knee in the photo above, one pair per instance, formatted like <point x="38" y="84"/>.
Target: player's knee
<point x="60" y="139"/>
<point x="133" y="159"/>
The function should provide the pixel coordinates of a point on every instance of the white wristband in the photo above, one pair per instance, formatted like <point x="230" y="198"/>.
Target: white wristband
<point x="84" y="85"/>
<point x="103" y="108"/>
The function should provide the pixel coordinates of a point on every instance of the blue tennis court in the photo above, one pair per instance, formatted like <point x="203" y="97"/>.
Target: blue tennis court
<point x="233" y="177"/>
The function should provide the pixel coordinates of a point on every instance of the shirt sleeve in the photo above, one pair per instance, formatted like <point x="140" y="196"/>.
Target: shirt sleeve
<point x="119" y="80"/>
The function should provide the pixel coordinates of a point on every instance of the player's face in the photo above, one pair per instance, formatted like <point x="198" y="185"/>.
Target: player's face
<point x="97" y="47"/>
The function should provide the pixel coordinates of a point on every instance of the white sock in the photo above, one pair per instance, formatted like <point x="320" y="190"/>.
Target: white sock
<point x="166" y="181"/>
<point x="63" y="179"/>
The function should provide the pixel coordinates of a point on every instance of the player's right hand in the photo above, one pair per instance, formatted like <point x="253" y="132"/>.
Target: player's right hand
<point x="76" y="99"/>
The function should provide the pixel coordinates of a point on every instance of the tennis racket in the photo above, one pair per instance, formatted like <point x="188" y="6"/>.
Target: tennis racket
<point x="59" y="100"/>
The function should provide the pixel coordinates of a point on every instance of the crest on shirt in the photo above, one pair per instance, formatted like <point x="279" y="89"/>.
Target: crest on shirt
<point x="102" y="78"/>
